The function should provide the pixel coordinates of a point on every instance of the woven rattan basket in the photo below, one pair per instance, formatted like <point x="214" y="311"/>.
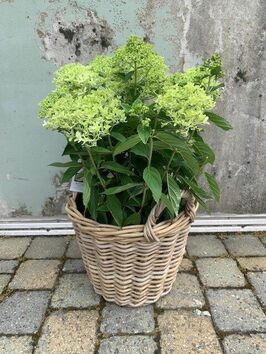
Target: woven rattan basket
<point x="133" y="265"/>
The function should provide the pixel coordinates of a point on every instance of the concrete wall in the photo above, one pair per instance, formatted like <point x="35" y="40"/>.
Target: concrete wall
<point x="38" y="36"/>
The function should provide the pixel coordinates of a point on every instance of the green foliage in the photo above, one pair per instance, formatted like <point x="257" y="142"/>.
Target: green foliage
<point x="134" y="130"/>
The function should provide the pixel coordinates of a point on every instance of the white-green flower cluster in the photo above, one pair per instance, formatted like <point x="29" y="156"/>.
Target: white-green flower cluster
<point x="185" y="106"/>
<point x="90" y="100"/>
<point x="83" y="119"/>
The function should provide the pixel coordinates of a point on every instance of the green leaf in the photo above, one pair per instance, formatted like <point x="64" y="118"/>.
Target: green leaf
<point x="133" y="219"/>
<point x="141" y="150"/>
<point x="203" y="150"/>
<point x="68" y="150"/>
<point x="144" y="133"/>
<point x="66" y="164"/>
<point x="219" y="121"/>
<point x="126" y="145"/>
<point x="100" y="150"/>
<point x="174" y="193"/>
<point x="213" y="185"/>
<point x="118" y="136"/>
<point x="86" y="188"/>
<point x="69" y="173"/>
<point x="103" y="208"/>
<point x="118" y="189"/>
<point x="166" y="201"/>
<point x="181" y="147"/>
<point x="153" y="180"/>
<point x="114" y="166"/>
<point x="115" y="208"/>
<point x="196" y="189"/>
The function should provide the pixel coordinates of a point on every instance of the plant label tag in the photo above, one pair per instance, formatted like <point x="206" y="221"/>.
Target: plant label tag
<point x="76" y="186"/>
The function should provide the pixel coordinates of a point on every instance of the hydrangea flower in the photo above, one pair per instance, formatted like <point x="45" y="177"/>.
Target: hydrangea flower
<point x="85" y="119"/>
<point x="185" y="106"/>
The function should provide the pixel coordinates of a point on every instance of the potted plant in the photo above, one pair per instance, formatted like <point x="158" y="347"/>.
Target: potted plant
<point x="134" y="136"/>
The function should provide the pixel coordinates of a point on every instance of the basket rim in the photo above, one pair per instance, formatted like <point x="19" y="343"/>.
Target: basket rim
<point x="182" y="219"/>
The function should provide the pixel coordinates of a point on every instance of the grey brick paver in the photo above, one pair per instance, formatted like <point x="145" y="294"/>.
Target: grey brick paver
<point x="72" y="332"/>
<point x="13" y="247"/>
<point x="186" y="265"/>
<point x="46" y="247"/>
<point x="252" y="264"/>
<point x="184" y="332"/>
<point x="128" y="345"/>
<point x="245" y="344"/>
<point x="258" y="281"/>
<point x="186" y="292"/>
<point x="74" y="290"/>
<point x="16" y="345"/>
<point x="116" y="319"/>
<point x="36" y="274"/>
<point x="74" y="266"/>
<point x="244" y="245"/>
<point x="4" y="279"/>
<point x="236" y="310"/>
<point x="8" y="266"/>
<point x="263" y="239"/>
<point x="220" y="272"/>
<point x="22" y="312"/>
<point x="205" y="246"/>
<point x="73" y="250"/>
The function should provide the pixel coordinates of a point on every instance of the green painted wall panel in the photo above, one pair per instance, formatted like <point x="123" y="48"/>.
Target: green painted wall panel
<point x="184" y="31"/>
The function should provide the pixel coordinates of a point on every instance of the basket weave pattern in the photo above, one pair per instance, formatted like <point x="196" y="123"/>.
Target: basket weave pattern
<point x="133" y="265"/>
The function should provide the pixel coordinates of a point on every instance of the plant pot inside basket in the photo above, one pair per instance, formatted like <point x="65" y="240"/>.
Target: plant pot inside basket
<point x="133" y="265"/>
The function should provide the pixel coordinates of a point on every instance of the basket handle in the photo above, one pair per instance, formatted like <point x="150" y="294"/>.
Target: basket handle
<point x="156" y="211"/>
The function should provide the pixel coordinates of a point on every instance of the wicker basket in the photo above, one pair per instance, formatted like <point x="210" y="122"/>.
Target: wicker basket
<point x="133" y="265"/>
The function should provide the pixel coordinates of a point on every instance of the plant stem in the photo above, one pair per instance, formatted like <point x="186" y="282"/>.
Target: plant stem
<point x="110" y="141"/>
<point x="169" y="163"/>
<point x="135" y="78"/>
<point x="95" y="167"/>
<point x="149" y="165"/>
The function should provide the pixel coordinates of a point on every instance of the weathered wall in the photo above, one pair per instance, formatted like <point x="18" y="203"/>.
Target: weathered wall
<point x="37" y="36"/>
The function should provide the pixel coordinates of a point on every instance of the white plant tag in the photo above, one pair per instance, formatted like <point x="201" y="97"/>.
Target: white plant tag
<point x="76" y="185"/>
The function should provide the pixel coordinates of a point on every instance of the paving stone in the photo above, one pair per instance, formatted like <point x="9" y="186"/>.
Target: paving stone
<point x="4" y="279"/>
<point x="186" y="265"/>
<point x="205" y="246"/>
<point x="14" y="247"/>
<point x="69" y="332"/>
<point x="8" y="266"/>
<point x="46" y="247"/>
<point x="116" y="319"/>
<point x="244" y="245"/>
<point x="74" y="290"/>
<point x="236" y="310"/>
<point x="74" y="266"/>
<point x="185" y="332"/>
<point x="263" y="239"/>
<point x="253" y="264"/>
<point x="22" y="312"/>
<point x="258" y="281"/>
<point x="186" y="292"/>
<point x="128" y="345"/>
<point x="220" y="272"/>
<point x="36" y="274"/>
<point x="16" y="345"/>
<point x="73" y="250"/>
<point x="248" y="344"/>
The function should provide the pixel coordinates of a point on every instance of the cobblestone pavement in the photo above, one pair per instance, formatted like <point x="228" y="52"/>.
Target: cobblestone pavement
<point x="217" y="304"/>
